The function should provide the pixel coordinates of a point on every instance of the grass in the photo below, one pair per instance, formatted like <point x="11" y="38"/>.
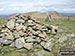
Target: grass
<point x="11" y="51"/>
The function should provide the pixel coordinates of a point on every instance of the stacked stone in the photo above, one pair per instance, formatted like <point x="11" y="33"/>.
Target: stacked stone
<point x="25" y="32"/>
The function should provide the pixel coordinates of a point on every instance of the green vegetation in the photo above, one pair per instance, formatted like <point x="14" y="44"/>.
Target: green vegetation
<point x="11" y="51"/>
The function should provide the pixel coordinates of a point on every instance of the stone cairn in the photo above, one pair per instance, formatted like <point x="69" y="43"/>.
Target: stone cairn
<point x="25" y="32"/>
<point x="49" y="17"/>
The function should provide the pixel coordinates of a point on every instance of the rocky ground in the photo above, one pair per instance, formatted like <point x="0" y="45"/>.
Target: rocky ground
<point x="24" y="36"/>
<point x="25" y="32"/>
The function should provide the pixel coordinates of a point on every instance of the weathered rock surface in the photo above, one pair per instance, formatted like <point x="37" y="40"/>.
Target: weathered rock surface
<point x="47" y="45"/>
<point x="11" y="24"/>
<point x="25" y="32"/>
<point x="62" y="39"/>
<point x="28" y="45"/>
<point x="19" y="43"/>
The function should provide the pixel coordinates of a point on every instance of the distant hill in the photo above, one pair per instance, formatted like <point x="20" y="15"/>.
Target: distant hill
<point x="41" y="15"/>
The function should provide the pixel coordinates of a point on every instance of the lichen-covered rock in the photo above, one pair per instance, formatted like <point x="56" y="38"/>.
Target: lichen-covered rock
<point x="19" y="43"/>
<point x="20" y="21"/>
<point x="28" y="45"/>
<point x="21" y="33"/>
<point x="9" y="37"/>
<point x="11" y="23"/>
<point x="41" y="35"/>
<point x="24" y="28"/>
<point x="32" y="40"/>
<point x="47" y="45"/>
<point x="19" y="27"/>
<point x="5" y="41"/>
<point x="16" y="34"/>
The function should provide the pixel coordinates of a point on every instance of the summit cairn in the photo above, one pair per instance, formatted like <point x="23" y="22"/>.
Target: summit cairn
<point x="25" y="32"/>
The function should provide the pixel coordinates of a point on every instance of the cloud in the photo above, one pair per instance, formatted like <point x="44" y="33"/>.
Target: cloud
<point x="70" y="10"/>
<point x="16" y="6"/>
<point x="16" y="9"/>
<point x="1" y="9"/>
<point x="73" y="9"/>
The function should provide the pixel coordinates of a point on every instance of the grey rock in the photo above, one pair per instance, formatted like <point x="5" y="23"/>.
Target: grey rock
<point x="60" y="30"/>
<point x="45" y="29"/>
<point x="70" y="35"/>
<point x="41" y="35"/>
<point x="1" y="35"/>
<point x="28" y="45"/>
<point x="12" y="44"/>
<point x="28" y="37"/>
<point x="24" y="28"/>
<point x="10" y="37"/>
<point x="31" y="30"/>
<point x="4" y="30"/>
<point x="16" y="34"/>
<point x="19" y="43"/>
<point x="20" y="21"/>
<point x="0" y="44"/>
<point x="34" y="27"/>
<point x="16" y="18"/>
<point x="19" y="27"/>
<point x="16" y="24"/>
<point x="21" y="33"/>
<point x="33" y="40"/>
<point x="30" y="24"/>
<point x="5" y="41"/>
<point x="11" y="23"/>
<point x="25" y="18"/>
<point x="62" y="39"/>
<point x="30" y="21"/>
<point x="38" y="26"/>
<point x="47" y="45"/>
<point x="1" y="40"/>
<point x="37" y="33"/>
<point x="45" y="39"/>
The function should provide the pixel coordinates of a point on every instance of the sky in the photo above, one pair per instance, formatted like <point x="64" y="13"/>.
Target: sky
<point x="22" y="6"/>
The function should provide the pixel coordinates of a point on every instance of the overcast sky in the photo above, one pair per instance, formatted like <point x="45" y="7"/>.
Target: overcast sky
<point x="21" y="6"/>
